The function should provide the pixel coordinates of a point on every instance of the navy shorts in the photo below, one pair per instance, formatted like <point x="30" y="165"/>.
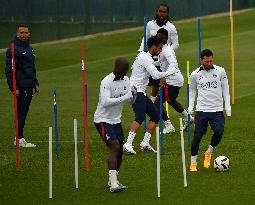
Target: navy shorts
<point x="110" y="132"/>
<point x="170" y="93"/>
<point x="142" y="106"/>
<point x="154" y="82"/>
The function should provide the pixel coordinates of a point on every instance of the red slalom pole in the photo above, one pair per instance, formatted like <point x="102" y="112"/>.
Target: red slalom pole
<point x="85" y="120"/>
<point x="15" y="108"/>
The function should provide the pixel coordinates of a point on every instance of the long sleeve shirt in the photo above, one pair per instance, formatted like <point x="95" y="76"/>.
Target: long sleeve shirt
<point x="152" y="28"/>
<point x="168" y="62"/>
<point x="142" y="68"/>
<point x="212" y="87"/>
<point x="113" y="93"/>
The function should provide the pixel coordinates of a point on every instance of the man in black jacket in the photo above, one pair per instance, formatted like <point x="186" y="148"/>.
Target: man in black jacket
<point x="27" y="83"/>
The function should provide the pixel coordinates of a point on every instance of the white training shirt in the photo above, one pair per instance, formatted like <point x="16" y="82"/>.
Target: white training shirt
<point x="168" y="62"/>
<point x="142" y="68"/>
<point x="111" y="97"/>
<point x="212" y="86"/>
<point x="152" y="28"/>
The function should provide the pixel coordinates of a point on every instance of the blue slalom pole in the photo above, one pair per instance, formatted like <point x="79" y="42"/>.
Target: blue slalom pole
<point x="199" y="40"/>
<point x="161" y="122"/>
<point x="56" y="120"/>
<point x="144" y="49"/>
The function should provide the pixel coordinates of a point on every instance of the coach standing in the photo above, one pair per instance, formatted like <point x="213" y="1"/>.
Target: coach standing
<point x="212" y="84"/>
<point x="27" y="83"/>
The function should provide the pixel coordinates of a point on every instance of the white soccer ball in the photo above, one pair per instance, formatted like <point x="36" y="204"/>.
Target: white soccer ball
<point x="221" y="163"/>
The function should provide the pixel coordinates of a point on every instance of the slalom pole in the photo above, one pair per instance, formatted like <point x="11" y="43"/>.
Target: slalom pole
<point x="144" y="49"/>
<point x="56" y="120"/>
<point x="183" y="156"/>
<point x="199" y="40"/>
<point x="14" y="85"/>
<point x="158" y="162"/>
<point x="232" y="52"/>
<point x="85" y="117"/>
<point x="188" y="83"/>
<point x="75" y="153"/>
<point x="161" y="122"/>
<point x="50" y="162"/>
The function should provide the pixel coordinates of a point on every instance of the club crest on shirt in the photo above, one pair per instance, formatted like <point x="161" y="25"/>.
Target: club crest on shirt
<point x="214" y="75"/>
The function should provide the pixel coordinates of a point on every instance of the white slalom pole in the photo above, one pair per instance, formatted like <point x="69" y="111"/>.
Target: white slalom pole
<point x="183" y="155"/>
<point x="158" y="162"/>
<point x="50" y="162"/>
<point x="75" y="153"/>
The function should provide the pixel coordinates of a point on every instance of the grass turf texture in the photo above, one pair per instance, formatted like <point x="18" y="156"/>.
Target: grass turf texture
<point x="59" y="67"/>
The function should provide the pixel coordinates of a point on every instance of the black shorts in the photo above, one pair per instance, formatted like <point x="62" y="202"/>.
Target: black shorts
<point x="110" y="132"/>
<point x="153" y="82"/>
<point x="170" y="93"/>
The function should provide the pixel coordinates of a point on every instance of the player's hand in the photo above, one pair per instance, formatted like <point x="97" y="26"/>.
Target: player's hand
<point x="36" y="90"/>
<point x="162" y="81"/>
<point x="133" y="90"/>
<point x="17" y="92"/>
<point x="228" y="113"/>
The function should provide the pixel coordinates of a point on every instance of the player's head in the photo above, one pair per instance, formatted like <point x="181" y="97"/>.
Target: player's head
<point x="121" y="67"/>
<point x="163" y="35"/>
<point x="23" y="32"/>
<point x="207" y="59"/>
<point x="154" y="45"/>
<point x="162" y="14"/>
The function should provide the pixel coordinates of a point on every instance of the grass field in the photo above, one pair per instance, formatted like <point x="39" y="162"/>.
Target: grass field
<point x="59" y="67"/>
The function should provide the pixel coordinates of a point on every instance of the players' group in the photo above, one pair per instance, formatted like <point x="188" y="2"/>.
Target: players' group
<point x="157" y="66"/>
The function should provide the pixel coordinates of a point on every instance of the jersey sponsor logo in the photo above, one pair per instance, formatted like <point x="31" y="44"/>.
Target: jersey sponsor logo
<point x="207" y="85"/>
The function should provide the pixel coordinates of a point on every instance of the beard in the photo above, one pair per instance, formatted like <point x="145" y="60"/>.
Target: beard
<point x="161" y="22"/>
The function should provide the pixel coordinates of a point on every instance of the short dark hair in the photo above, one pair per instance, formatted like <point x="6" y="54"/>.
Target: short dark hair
<point x="163" y="31"/>
<point x="22" y="25"/>
<point x="206" y="52"/>
<point x="153" y="41"/>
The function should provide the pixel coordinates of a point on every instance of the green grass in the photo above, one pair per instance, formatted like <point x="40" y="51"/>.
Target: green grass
<point x="59" y="67"/>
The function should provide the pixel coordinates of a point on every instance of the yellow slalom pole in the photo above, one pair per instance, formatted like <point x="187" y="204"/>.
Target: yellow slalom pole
<point x="167" y="109"/>
<point x="232" y="51"/>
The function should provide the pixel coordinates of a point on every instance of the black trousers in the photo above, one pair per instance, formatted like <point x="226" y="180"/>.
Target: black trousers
<point x="216" y="121"/>
<point x="23" y="102"/>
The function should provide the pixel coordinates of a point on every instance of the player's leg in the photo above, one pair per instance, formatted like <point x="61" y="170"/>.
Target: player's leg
<point x="216" y="122"/>
<point x="24" y="100"/>
<point x="109" y="137"/>
<point x="173" y="93"/>
<point x="139" y="108"/>
<point x="168" y="125"/>
<point x="201" y="123"/>
<point x="152" y="112"/>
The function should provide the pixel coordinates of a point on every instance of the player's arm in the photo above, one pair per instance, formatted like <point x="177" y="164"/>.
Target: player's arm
<point x="174" y="38"/>
<point x="8" y="69"/>
<point x="173" y="66"/>
<point x="192" y="92"/>
<point x="107" y="100"/>
<point x="154" y="71"/>
<point x="225" y="92"/>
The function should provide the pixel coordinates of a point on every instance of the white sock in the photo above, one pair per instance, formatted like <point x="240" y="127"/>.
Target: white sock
<point x="185" y="114"/>
<point x="153" y="99"/>
<point x="210" y="149"/>
<point x="147" y="137"/>
<point x="113" y="178"/>
<point x="193" y="159"/>
<point x="131" y="136"/>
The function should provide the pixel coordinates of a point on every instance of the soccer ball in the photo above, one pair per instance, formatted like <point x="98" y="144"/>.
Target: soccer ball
<point x="221" y="163"/>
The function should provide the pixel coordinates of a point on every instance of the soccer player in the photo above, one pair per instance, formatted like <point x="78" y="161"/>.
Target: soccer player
<point x="211" y="82"/>
<point x="142" y="68"/>
<point x="114" y="91"/>
<point x="161" y="20"/>
<point x="27" y="83"/>
<point x="173" y="82"/>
